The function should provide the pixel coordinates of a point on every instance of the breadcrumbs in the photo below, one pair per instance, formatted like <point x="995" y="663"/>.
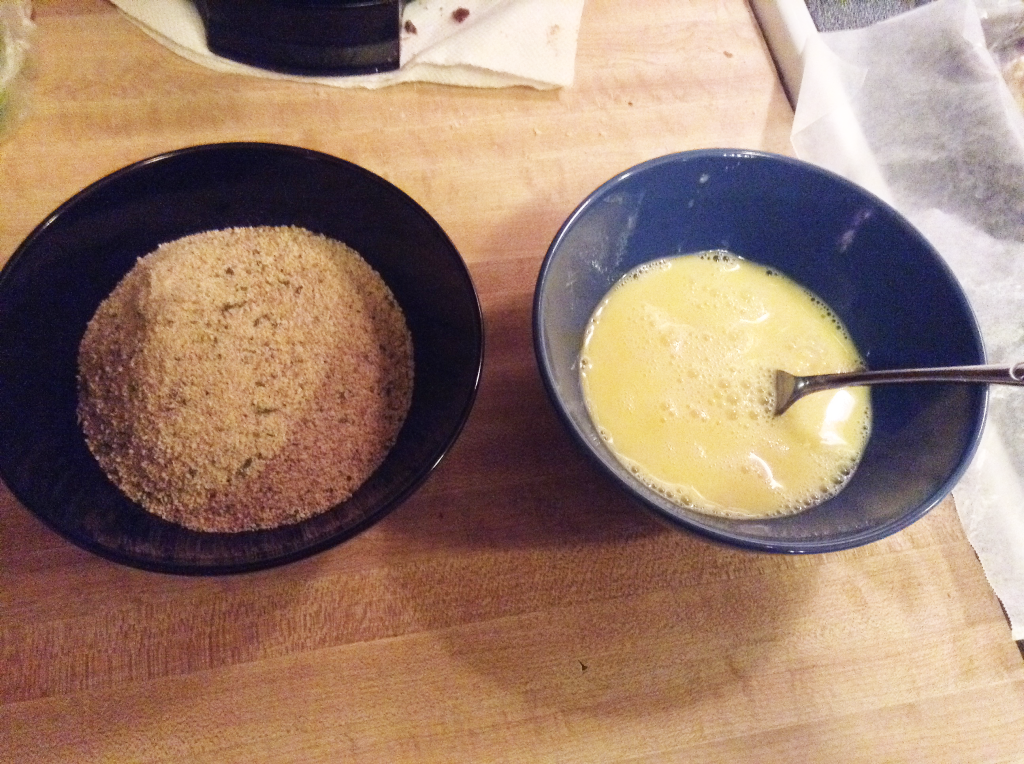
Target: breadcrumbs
<point x="245" y="379"/>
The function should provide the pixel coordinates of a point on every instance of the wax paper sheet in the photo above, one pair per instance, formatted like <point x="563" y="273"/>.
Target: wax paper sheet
<point x="938" y="133"/>
<point x="15" y="35"/>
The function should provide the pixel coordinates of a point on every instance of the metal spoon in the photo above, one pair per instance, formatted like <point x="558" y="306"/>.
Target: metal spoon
<point x="789" y="388"/>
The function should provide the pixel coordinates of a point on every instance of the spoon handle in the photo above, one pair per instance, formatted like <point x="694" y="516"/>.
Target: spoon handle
<point x="995" y="374"/>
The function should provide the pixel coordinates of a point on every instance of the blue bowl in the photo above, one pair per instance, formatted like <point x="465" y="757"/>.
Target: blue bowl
<point x="899" y="300"/>
<point x="55" y="280"/>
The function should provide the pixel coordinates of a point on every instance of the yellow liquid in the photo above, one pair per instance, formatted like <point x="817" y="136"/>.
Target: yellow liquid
<point x="676" y="369"/>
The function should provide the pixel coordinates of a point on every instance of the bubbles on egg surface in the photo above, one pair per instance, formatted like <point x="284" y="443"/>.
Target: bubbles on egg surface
<point x="834" y="479"/>
<point x="629" y="402"/>
<point x="697" y="413"/>
<point x="678" y="495"/>
<point x="706" y="382"/>
<point x="828" y="314"/>
<point x="660" y="264"/>
<point x="718" y="256"/>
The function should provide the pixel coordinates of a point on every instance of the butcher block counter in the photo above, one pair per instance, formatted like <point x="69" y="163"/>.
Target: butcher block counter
<point x="518" y="607"/>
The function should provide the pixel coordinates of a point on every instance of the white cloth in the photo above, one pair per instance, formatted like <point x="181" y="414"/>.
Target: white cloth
<point x="938" y="128"/>
<point x="500" y="43"/>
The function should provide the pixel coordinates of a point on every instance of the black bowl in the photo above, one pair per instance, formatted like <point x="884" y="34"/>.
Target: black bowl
<point x="899" y="300"/>
<point x="55" y="280"/>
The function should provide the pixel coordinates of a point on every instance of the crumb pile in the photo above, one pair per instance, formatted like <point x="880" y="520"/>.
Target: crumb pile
<point x="246" y="378"/>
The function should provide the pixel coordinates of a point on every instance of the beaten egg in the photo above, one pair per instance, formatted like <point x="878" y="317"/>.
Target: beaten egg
<point x="677" y="370"/>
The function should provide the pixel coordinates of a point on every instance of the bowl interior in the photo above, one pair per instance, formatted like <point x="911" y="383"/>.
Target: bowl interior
<point x="53" y="283"/>
<point x="899" y="300"/>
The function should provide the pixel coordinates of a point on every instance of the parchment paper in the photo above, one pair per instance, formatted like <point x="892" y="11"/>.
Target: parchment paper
<point x="939" y="131"/>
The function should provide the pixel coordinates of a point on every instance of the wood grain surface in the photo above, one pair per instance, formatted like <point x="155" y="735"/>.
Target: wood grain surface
<point x="518" y="607"/>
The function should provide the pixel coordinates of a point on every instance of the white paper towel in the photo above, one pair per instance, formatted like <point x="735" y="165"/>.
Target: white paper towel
<point x="943" y="132"/>
<point x="500" y="43"/>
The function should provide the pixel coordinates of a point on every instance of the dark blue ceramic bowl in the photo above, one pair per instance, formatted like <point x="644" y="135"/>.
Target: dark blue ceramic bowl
<point x="899" y="300"/>
<point x="53" y="283"/>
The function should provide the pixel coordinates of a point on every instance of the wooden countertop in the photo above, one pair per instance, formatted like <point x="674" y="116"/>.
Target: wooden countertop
<point x="518" y="607"/>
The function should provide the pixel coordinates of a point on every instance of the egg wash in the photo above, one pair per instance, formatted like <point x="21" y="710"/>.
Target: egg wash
<point x="677" y="375"/>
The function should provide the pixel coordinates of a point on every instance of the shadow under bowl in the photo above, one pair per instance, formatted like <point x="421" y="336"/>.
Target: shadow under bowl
<point x="899" y="300"/>
<point x="52" y="285"/>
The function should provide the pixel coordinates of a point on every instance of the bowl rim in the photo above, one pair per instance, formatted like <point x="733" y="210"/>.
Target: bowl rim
<point x="691" y="522"/>
<point x="413" y="482"/>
